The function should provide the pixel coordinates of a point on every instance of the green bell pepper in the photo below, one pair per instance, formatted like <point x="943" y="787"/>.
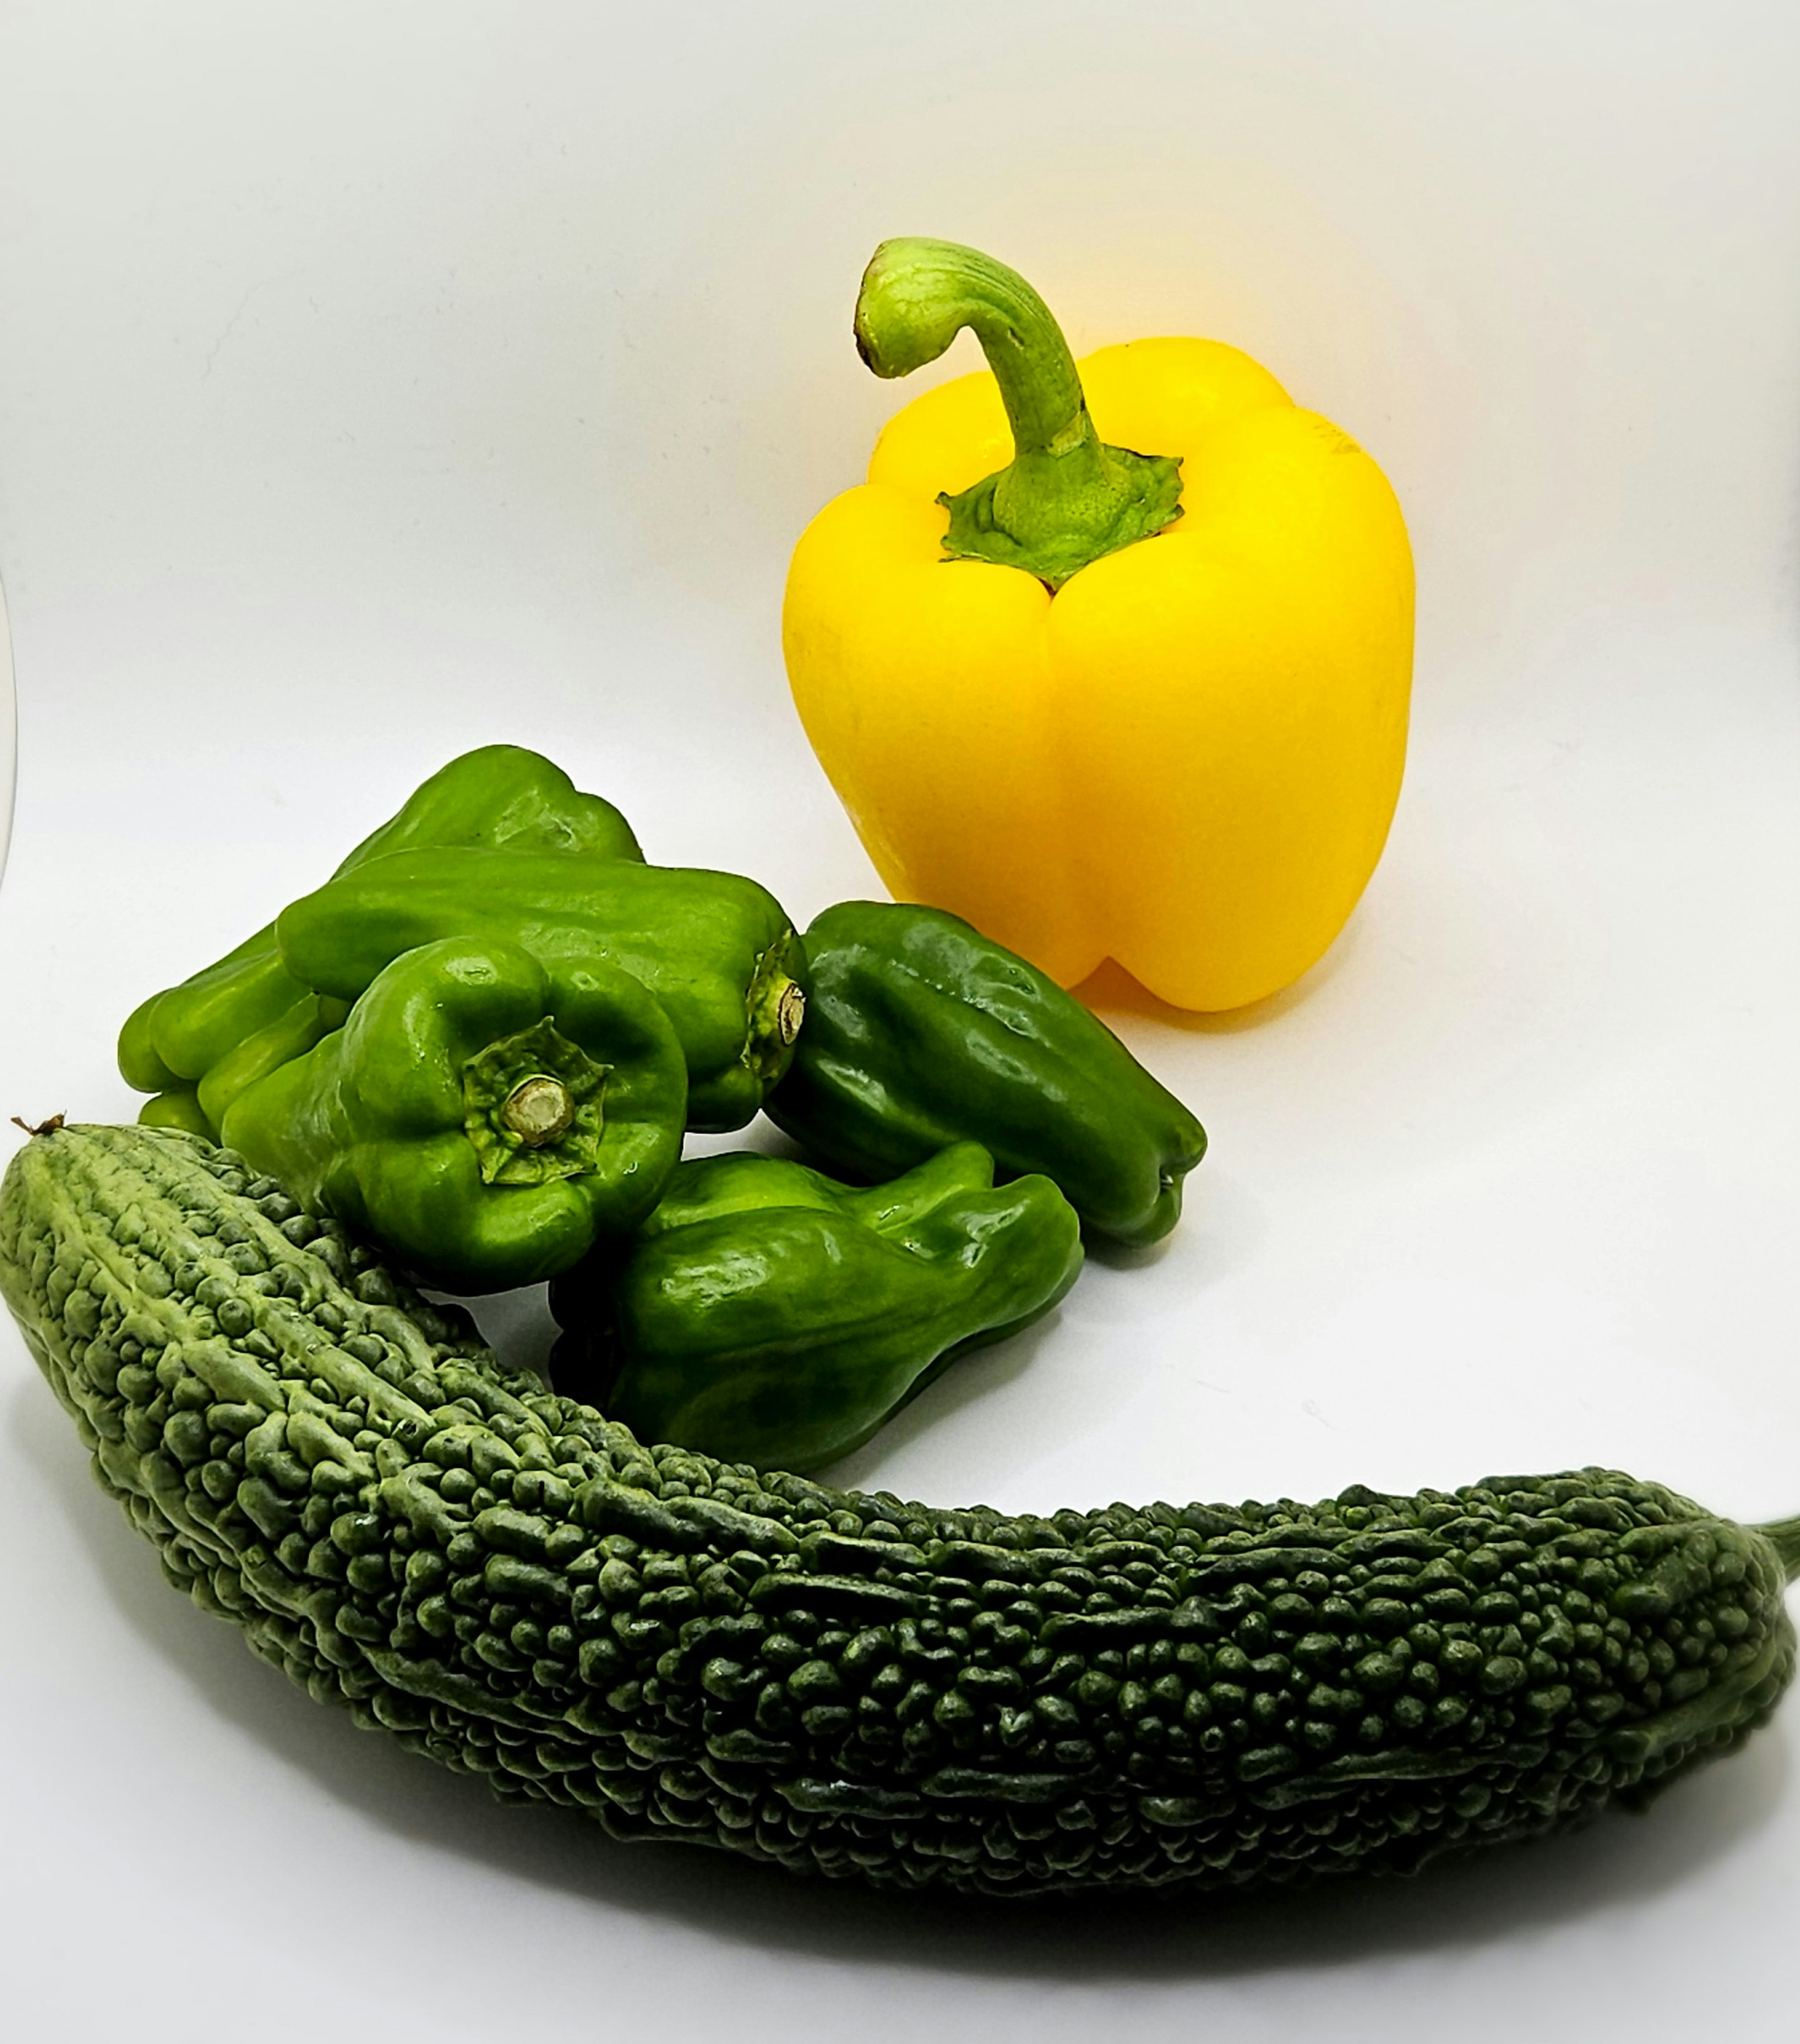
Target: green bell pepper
<point x="766" y="1314"/>
<point x="717" y="950"/>
<point x="483" y="1118"/>
<point x="920" y="1032"/>
<point x="497" y="795"/>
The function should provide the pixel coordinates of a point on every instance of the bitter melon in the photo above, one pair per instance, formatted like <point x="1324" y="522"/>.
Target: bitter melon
<point x="846" y="1683"/>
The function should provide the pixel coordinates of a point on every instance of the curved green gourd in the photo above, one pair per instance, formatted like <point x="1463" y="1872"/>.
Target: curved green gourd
<point x="844" y="1683"/>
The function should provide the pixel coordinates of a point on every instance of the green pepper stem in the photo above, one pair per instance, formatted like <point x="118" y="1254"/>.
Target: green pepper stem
<point x="538" y="1110"/>
<point x="1066" y="498"/>
<point x="790" y="1011"/>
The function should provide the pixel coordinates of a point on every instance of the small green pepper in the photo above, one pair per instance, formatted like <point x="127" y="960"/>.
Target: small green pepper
<point x="498" y="794"/>
<point x="920" y="1032"/>
<point x="765" y="1313"/>
<point x="177" y="1107"/>
<point x="304" y="1023"/>
<point x="717" y="950"/>
<point x="482" y="1118"/>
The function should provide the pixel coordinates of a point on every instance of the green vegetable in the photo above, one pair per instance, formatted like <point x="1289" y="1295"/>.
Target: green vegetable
<point x="846" y="1683"/>
<point x="483" y="1119"/>
<point x="921" y="1033"/>
<point x="717" y="951"/>
<point x="179" y="1108"/>
<point x="308" y="1020"/>
<point x="766" y="1314"/>
<point x="497" y="795"/>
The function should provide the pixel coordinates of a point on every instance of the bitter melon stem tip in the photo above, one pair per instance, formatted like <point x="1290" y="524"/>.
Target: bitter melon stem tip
<point x="1783" y="1535"/>
<point x="42" y="1128"/>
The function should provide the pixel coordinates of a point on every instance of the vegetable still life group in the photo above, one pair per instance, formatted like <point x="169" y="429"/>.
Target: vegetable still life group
<point x="1106" y="661"/>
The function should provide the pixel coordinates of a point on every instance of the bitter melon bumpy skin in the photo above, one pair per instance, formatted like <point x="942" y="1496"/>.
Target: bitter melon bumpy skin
<point x="849" y="1684"/>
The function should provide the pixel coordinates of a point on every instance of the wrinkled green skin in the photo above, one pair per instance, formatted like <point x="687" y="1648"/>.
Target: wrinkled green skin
<point x="766" y="1314"/>
<point x="921" y="1033"/>
<point x="845" y="1683"/>
<point x="175" y="1042"/>
<point x="370" y="1125"/>
<point x="698" y="940"/>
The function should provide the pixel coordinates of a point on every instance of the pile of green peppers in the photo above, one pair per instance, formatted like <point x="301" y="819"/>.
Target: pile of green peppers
<point x="482" y="1041"/>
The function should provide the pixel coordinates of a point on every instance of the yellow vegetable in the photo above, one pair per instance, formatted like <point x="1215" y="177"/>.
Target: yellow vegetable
<point x="1090" y="729"/>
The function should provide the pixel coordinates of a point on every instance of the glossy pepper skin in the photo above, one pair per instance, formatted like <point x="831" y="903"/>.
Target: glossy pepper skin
<point x="717" y="950"/>
<point x="189" y="1044"/>
<point x="766" y="1314"/>
<point x="1178" y="745"/>
<point x="482" y="1118"/>
<point x="920" y="1031"/>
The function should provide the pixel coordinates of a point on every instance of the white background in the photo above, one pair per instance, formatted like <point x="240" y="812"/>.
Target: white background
<point x="377" y="381"/>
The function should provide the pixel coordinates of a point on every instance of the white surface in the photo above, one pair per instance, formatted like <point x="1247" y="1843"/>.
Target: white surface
<point x="379" y="381"/>
<point x="9" y="732"/>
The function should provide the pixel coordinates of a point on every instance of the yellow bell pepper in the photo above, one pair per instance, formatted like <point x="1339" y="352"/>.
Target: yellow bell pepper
<point x="1091" y="730"/>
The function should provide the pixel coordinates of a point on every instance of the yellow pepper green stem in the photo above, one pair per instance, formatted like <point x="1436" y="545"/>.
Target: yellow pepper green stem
<point x="1065" y="498"/>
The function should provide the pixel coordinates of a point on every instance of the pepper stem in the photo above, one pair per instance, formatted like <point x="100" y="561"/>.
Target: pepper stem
<point x="790" y="1011"/>
<point x="775" y="1007"/>
<point x="535" y="1108"/>
<point x="1066" y="498"/>
<point x="538" y="1110"/>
